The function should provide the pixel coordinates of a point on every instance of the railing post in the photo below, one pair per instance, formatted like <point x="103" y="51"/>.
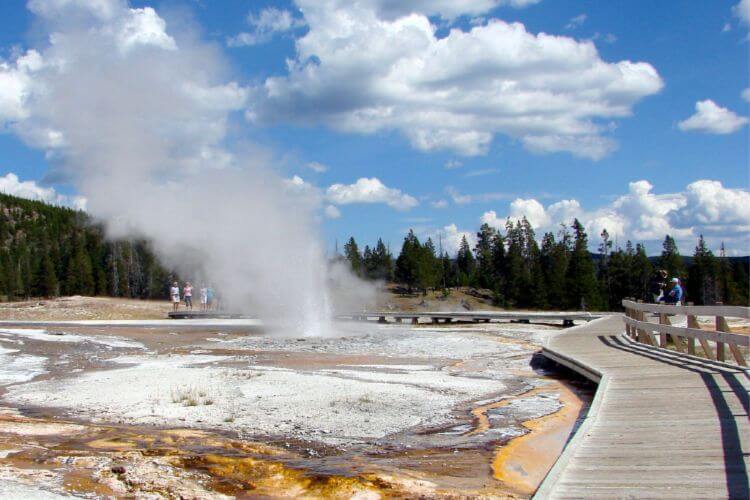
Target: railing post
<point x="643" y="335"/>
<point x="721" y="323"/>
<point x="628" y="329"/>
<point x="692" y="322"/>
<point x="723" y="326"/>
<point x="663" y="320"/>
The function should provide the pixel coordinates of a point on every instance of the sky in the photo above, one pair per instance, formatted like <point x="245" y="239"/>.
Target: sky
<point x="435" y="116"/>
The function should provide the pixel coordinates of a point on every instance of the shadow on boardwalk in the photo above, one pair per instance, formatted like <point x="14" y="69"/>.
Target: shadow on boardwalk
<point x="737" y="481"/>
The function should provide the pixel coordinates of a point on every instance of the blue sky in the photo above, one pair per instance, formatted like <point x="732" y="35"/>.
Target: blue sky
<point x="630" y="153"/>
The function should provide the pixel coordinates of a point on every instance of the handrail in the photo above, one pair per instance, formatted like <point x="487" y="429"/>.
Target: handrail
<point x="717" y="310"/>
<point x="693" y="333"/>
<point x="640" y="329"/>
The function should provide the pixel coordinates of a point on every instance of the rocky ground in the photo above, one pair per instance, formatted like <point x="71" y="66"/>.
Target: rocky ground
<point x="370" y="411"/>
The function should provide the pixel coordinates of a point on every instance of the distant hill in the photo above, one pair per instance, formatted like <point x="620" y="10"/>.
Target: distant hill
<point x="46" y="251"/>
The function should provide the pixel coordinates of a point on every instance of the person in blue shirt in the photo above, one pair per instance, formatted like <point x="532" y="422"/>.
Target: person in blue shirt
<point x="673" y="296"/>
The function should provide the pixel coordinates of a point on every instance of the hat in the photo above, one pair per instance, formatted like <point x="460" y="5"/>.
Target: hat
<point x="675" y="280"/>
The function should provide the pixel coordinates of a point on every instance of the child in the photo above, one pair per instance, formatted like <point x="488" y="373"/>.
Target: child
<point x="175" y="293"/>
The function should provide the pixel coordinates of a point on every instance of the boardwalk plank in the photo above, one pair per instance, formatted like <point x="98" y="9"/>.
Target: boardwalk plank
<point x="663" y="424"/>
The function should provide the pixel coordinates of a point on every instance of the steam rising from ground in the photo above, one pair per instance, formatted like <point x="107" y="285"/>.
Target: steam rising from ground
<point x="138" y="116"/>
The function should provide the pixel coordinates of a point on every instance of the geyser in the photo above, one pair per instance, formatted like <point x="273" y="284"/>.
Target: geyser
<point x="137" y="117"/>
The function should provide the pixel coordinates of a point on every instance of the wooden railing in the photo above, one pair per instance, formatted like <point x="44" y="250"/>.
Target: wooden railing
<point x="713" y="343"/>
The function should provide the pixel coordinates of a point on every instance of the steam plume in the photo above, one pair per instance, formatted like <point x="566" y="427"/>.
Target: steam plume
<point x="138" y="116"/>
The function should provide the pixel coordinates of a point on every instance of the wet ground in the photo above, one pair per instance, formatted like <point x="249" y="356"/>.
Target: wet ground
<point x="375" y="411"/>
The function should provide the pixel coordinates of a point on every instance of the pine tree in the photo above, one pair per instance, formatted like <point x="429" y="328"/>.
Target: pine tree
<point x="580" y="279"/>
<point x="351" y="252"/>
<point x="484" y="256"/>
<point x="641" y="271"/>
<point x="513" y="263"/>
<point x="702" y="285"/>
<point x="407" y="263"/>
<point x="729" y="292"/>
<point x="465" y="263"/>
<point x="670" y="259"/>
<point x="498" y="269"/>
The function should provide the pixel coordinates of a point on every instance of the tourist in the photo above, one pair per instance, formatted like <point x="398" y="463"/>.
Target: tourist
<point x="188" y="295"/>
<point x="657" y="285"/>
<point x="175" y="293"/>
<point x="204" y="298"/>
<point x="209" y="298"/>
<point x="674" y="296"/>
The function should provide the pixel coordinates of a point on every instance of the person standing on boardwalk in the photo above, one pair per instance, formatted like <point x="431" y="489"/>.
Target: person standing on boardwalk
<point x="188" y="293"/>
<point x="674" y="296"/>
<point x="175" y="294"/>
<point x="658" y="285"/>
<point x="209" y="298"/>
<point x="204" y="298"/>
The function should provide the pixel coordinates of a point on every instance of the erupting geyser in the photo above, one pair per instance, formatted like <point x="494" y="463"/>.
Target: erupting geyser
<point x="137" y="117"/>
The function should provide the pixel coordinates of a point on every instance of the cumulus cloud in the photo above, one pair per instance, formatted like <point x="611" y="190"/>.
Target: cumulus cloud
<point x="361" y="70"/>
<point x="710" y="118"/>
<point x="746" y="94"/>
<point x="12" y="185"/>
<point x="15" y="82"/>
<point x="449" y="237"/>
<point x="742" y="11"/>
<point x="332" y="212"/>
<point x="370" y="190"/>
<point x="439" y="203"/>
<point x="448" y="9"/>
<point x="703" y="207"/>
<point x="264" y="26"/>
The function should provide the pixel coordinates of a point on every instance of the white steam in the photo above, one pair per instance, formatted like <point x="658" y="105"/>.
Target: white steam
<point x="139" y="112"/>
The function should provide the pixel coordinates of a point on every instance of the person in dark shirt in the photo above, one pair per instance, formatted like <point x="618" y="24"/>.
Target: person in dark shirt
<point x="658" y="285"/>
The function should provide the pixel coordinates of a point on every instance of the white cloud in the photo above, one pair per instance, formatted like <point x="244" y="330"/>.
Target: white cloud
<point x="265" y="25"/>
<point x="102" y="9"/>
<point x="704" y="207"/>
<point x="15" y="84"/>
<point x="317" y="167"/>
<point x="576" y="22"/>
<point x="12" y="185"/>
<point x="448" y="9"/>
<point x="746" y="94"/>
<point x="452" y="164"/>
<point x="439" y="203"/>
<point x="450" y="237"/>
<point x="362" y="71"/>
<point x="532" y="210"/>
<point x="742" y="11"/>
<point x="144" y="27"/>
<point x="332" y="212"/>
<point x="712" y="119"/>
<point x="370" y="190"/>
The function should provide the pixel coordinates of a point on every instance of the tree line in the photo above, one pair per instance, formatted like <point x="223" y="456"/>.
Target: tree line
<point x="559" y="272"/>
<point x="48" y="251"/>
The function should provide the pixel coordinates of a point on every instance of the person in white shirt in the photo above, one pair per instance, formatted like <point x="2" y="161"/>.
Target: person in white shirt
<point x="204" y="298"/>
<point x="175" y="293"/>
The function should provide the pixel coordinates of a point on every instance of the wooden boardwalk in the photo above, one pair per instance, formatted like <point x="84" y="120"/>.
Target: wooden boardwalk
<point x="662" y="424"/>
<point x="566" y="317"/>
